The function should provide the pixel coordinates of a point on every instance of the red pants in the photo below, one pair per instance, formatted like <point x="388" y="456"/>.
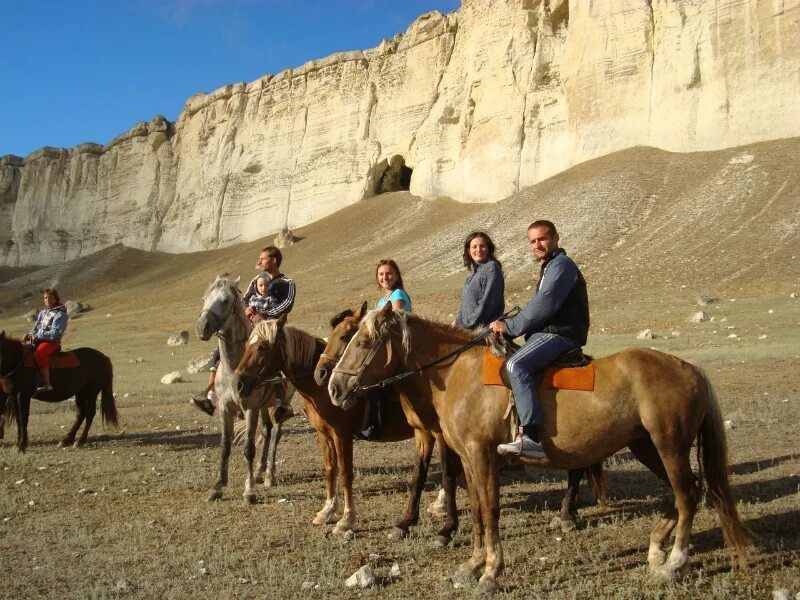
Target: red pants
<point x="41" y="355"/>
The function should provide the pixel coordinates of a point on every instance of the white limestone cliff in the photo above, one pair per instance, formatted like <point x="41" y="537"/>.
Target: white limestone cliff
<point x="480" y="103"/>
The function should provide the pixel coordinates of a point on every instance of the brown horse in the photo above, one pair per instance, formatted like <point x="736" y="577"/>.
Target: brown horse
<point x="655" y="404"/>
<point x="274" y="348"/>
<point x="345" y="326"/>
<point x="93" y="376"/>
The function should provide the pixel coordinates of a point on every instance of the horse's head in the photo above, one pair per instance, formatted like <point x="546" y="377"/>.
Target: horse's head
<point x="344" y="327"/>
<point x="219" y="302"/>
<point x="263" y="358"/>
<point x="373" y="353"/>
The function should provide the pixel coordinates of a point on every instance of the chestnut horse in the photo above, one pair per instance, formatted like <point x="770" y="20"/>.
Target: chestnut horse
<point x="345" y="327"/>
<point x="655" y="404"/>
<point x="93" y="376"/>
<point x="274" y="348"/>
<point x="223" y="315"/>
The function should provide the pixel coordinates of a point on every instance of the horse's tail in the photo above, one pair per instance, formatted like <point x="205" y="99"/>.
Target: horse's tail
<point x="107" y="402"/>
<point x="596" y="476"/>
<point x="712" y="456"/>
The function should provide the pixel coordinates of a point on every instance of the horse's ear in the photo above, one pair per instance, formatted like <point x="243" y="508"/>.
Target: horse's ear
<point x="387" y="309"/>
<point x="236" y="281"/>
<point x="359" y="314"/>
<point x="281" y="321"/>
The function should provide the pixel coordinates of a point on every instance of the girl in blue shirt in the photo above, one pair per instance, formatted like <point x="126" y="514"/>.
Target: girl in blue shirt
<point x="389" y="279"/>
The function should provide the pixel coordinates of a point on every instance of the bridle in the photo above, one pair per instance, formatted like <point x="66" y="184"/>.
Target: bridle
<point x="357" y="373"/>
<point x="261" y="378"/>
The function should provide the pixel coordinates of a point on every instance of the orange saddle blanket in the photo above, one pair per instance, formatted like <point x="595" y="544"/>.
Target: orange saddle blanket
<point x="58" y="360"/>
<point x="561" y="378"/>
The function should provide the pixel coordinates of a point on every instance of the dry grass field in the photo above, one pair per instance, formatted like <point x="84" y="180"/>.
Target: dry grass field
<point x="126" y="517"/>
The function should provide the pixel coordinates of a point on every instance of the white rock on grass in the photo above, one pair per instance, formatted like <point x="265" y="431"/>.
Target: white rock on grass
<point x="706" y="300"/>
<point x="645" y="334"/>
<point x="74" y="307"/>
<point x="307" y="586"/>
<point x="361" y="579"/>
<point x="699" y="317"/>
<point x="781" y="594"/>
<point x="395" y="570"/>
<point x="178" y="339"/>
<point x="174" y="377"/>
<point x="729" y="425"/>
<point x="199" y="364"/>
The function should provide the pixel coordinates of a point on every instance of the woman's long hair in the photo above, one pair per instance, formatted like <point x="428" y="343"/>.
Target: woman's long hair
<point x="468" y="262"/>
<point x="54" y="293"/>
<point x="398" y="283"/>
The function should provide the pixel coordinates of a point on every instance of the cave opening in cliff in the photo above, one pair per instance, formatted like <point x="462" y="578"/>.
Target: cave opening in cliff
<point x="391" y="175"/>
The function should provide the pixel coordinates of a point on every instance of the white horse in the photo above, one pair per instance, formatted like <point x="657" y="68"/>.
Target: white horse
<point x="223" y="314"/>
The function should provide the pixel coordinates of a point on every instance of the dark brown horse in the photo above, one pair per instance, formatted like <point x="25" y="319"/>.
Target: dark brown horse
<point x="345" y="325"/>
<point x="655" y="404"/>
<point x="93" y="376"/>
<point x="274" y="348"/>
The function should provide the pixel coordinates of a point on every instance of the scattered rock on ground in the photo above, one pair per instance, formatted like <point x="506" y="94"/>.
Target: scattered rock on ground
<point x="706" y="300"/>
<point x="730" y="425"/>
<point x="363" y="578"/>
<point x="699" y="317"/>
<point x="781" y="594"/>
<point x="178" y="339"/>
<point x="395" y="571"/>
<point x="645" y="334"/>
<point x="174" y="377"/>
<point x="74" y="307"/>
<point x="285" y="238"/>
<point x="307" y="586"/>
<point x="199" y="364"/>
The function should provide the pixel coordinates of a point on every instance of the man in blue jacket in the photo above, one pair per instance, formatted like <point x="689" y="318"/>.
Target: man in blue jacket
<point x="554" y="322"/>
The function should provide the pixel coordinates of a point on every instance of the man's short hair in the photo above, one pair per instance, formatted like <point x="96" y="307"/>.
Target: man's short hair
<point x="544" y="223"/>
<point x="274" y="252"/>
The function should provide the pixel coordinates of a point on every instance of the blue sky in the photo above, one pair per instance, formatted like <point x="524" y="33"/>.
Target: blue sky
<point x="86" y="71"/>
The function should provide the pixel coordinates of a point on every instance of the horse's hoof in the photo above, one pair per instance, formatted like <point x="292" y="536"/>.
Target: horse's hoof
<point x="214" y="495"/>
<point x="342" y="528"/>
<point x="318" y="519"/>
<point x="78" y="444"/>
<point x="465" y="576"/>
<point x="250" y="498"/>
<point x="441" y="541"/>
<point x="259" y="478"/>
<point x="568" y="525"/>
<point x="486" y="587"/>
<point x="269" y="482"/>
<point x="397" y="534"/>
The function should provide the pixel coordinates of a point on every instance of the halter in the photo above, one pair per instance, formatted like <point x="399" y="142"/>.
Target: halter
<point x="394" y="378"/>
<point x="262" y="379"/>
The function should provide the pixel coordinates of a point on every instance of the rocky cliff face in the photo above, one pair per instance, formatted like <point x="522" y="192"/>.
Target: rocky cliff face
<point x="479" y="103"/>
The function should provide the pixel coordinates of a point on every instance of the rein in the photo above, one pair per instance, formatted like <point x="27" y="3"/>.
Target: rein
<point x="400" y="376"/>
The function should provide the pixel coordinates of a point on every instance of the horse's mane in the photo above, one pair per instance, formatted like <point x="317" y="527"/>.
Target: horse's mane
<point x="339" y="317"/>
<point x="301" y="347"/>
<point x="402" y="318"/>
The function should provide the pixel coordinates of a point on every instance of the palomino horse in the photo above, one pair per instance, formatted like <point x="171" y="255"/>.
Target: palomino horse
<point x="92" y="376"/>
<point x="223" y="314"/>
<point x="345" y="328"/>
<point x="275" y="348"/>
<point x="655" y="404"/>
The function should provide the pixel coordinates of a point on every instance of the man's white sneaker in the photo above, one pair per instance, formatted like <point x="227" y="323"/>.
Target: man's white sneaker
<point x="522" y="446"/>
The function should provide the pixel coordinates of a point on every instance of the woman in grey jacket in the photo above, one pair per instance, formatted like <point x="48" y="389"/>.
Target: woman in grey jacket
<point x="482" y="300"/>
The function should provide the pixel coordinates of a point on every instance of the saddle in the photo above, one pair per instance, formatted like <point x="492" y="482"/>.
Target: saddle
<point x="573" y="371"/>
<point x="58" y="360"/>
